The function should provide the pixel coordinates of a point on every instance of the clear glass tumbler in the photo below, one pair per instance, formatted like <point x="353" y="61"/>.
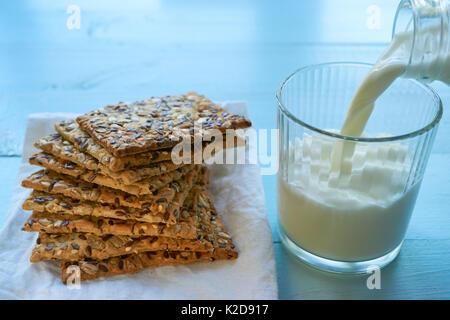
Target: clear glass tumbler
<point x="357" y="218"/>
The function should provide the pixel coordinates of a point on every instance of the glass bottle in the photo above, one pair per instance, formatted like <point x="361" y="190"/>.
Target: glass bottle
<point x="427" y="25"/>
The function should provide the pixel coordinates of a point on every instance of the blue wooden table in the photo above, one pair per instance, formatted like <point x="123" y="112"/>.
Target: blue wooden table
<point x="227" y="50"/>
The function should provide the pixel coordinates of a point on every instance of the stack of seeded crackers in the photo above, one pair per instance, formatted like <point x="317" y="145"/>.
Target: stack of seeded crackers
<point x="110" y="200"/>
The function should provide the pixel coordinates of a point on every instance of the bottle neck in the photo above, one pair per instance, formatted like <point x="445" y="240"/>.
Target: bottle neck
<point x="423" y="27"/>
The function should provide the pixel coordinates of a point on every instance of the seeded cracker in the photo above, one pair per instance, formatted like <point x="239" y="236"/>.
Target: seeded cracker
<point x="79" y="246"/>
<point x="41" y="201"/>
<point x="211" y="233"/>
<point x="54" y="203"/>
<point x="70" y="131"/>
<point x="129" y="264"/>
<point x="111" y="201"/>
<point x="143" y="187"/>
<point x="155" y="123"/>
<point x="223" y="249"/>
<point x="64" y="150"/>
<point x="54" y="144"/>
<point x="129" y="169"/>
<point x="61" y="223"/>
<point x="52" y="182"/>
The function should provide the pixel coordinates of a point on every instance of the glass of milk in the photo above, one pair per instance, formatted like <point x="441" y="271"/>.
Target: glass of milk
<point x="344" y="201"/>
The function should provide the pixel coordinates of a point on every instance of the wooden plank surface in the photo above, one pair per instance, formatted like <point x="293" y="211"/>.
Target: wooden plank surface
<point x="227" y="50"/>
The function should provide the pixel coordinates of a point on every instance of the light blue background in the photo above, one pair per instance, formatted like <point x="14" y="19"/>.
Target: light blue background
<point x="227" y="50"/>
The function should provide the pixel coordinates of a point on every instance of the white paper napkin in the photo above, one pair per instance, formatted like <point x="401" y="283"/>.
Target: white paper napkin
<point x="238" y="195"/>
